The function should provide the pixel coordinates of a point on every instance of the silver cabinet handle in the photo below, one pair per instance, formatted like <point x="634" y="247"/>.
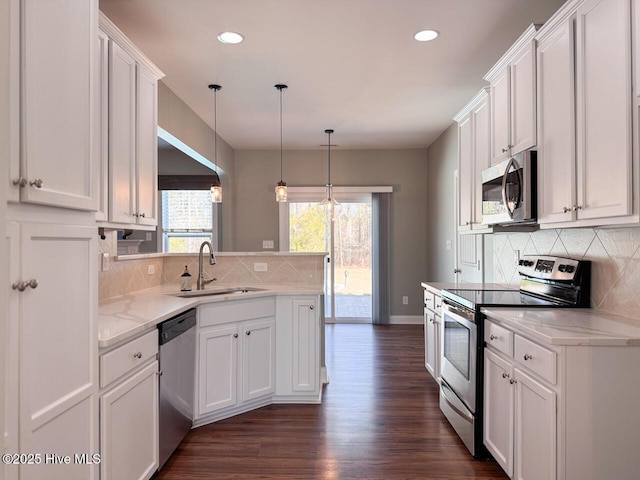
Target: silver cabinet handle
<point x="527" y="356"/>
<point x="142" y="215"/>
<point x="249" y="332"/>
<point x="235" y="335"/>
<point x="577" y="207"/>
<point x="311" y="307"/>
<point x="493" y="337"/>
<point x="566" y="209"/>
<point x="22" y="286"/>
<point x="457" y="270"/>
<point x="137" y="355"/>
<point x="20" y="181"/>
<point x="37" y="183"/>
<point x="512" y="381"/>
<point x="505" y="375"/>
<point x="159" y="373"/>
<point x="505" y="150"/>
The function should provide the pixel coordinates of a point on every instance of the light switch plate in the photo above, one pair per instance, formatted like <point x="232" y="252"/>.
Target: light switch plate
<point x="267" y="244"/>
<point x="151" y="269"/>
<point x="405" y="300"/>
<point x="259" y="267"/>
<point x="149" y="236"/>
<point x="105" y="262"/>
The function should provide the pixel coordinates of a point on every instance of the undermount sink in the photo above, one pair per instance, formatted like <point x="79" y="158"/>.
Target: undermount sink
<point x="219" y="291"/>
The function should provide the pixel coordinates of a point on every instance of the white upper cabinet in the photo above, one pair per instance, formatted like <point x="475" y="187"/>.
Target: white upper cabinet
<point x="513" y="99"/>
<point x="556" y="123"/>
<point x="473" y="157"/>
<point x="604" y="109"/>
<point x="586" y="165"/>
<point x="129" y="128"/>
<point x="52" y="82"/>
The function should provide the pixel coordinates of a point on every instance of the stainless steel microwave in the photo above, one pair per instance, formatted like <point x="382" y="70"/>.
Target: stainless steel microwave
<point x="509" y="191"/>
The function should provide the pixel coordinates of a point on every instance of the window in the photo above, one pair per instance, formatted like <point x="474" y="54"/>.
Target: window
<point x="187" y="220"/>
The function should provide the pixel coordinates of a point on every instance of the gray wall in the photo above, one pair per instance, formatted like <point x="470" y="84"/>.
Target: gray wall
<point x="256" y="211"/>
<point x="179" y="120"/>
<point x="443" y="161"/>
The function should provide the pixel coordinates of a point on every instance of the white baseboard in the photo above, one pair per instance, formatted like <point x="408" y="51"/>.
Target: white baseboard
<point x="406" y="319"/>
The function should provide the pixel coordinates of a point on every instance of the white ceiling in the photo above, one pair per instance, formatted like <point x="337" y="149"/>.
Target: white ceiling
<point x="351" y="65"/>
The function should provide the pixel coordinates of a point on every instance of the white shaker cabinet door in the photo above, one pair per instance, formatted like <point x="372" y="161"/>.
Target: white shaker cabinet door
<point x="129" y="427"/>
<point x="147" y="147"/>
<point x="58" y="346"/>
<point x="305" y="331"/>
<point x="122" y="135"/>
<point x="101" y="127"/>
<point x="500" y="114"/>
<point x="498" y="410"/>
<point x="556" y="126"/>
<point x="465" y="172"/>
<point x="258" y="358"/>
<point x="218" y="368"/>
<point x="57" y="45"/>
<point x="604" y="109"/>
<point x="523" y="98"/>
<point x="535" y="430"/>
<point x="481" y="156"/>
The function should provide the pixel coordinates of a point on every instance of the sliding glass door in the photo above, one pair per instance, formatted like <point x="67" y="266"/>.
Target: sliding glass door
<point x="348" y="272"/>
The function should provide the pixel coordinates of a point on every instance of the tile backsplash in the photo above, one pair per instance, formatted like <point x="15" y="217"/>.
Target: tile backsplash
<point x="614" y="255"/>
<point x="130" y="275"/>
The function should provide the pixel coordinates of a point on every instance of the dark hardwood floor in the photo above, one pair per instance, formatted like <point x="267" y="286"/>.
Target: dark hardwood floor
<point x="379" y="419"/>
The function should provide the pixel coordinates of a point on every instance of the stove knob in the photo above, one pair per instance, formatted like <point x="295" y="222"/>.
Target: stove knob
<point x="562" y="268"/>
<point x="569" y="268"/>
<point x="521" y="262"/>
<point x="528" y="263"/>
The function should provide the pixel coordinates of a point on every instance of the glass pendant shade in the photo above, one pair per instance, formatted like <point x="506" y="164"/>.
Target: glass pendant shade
<point x="216" y="193"/>
<point x="216" y="188"/>
<point x="281" y="192"/>
<point x="281" y="187"/>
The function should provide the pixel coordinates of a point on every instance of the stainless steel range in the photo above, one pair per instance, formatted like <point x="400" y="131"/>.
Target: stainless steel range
<point x="545" y="282"/>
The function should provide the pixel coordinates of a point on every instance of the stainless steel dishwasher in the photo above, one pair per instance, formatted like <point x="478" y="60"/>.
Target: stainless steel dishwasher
<point x="177" y="371"/>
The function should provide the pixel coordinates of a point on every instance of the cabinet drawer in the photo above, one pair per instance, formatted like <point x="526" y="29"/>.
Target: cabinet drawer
<point x="536" y="358"/>
<point x="117" y="362"/>
<point x="498" y="337"/>
<point x="429" y="300"/>
<point x="216" y="314"/>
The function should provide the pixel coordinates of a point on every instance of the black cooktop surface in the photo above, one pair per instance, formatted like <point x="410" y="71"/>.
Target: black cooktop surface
<point x="495" y="298"/>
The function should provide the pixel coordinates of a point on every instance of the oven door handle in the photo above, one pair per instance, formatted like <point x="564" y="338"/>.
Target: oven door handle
<point x="444" y="388"/>
<point x="465" y="318"/>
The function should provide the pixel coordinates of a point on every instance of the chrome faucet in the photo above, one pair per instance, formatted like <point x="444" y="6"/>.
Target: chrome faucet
<point x="212" y="261"/>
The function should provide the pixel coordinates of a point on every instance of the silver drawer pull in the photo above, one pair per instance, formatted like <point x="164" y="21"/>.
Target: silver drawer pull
<point x="311" y="307"/>
<point x="527" y="356"/>
<point x="37" y="183"/>
<point x="512" y="381"/>
<point x="137" y="355"/>
<point x="22" y="286"/>
<point x="505" y="375"/>
<point x="20" y="181"/>
<point x="249" y="332"/>
<point x="235" y="335"/>
<point x="493" y="337"/>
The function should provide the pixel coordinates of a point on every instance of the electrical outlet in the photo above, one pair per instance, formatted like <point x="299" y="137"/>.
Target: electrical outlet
<point x="105" y="262"/>
<point x="149" y="236"/>
<point x="151" y="269"/>
<point x="267" y="244"/>
<point x="259" y="267"/>
<point x="405" y="300"/>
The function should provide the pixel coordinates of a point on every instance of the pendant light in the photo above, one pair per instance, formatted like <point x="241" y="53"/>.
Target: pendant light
<point x="216" y="188"/>
<point x="281" y="187"/>
<point x="329" y="202"/>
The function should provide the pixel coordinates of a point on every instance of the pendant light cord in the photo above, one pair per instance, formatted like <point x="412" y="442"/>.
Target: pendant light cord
<point x="215" y="89"/>
<point x="281" y="134"/>
<point x="329" y="132"/>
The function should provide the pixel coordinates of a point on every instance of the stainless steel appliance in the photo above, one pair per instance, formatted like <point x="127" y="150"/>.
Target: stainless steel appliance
<point x="177" y="376"/>
<point x="509" y="191"/>
<point x="545" y="282"/>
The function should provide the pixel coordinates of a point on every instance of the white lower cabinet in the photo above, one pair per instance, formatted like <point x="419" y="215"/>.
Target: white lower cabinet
<point x="129" y="405"/>
<point x="432" y="333"/>
<point x="519" y="420"/>
<point x="560" y="412"/>
<point x="236" y="359"/>
<point x="299" y="345"/>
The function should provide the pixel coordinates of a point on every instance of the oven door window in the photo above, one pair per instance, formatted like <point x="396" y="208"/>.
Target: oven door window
<point x="457" y="349"/>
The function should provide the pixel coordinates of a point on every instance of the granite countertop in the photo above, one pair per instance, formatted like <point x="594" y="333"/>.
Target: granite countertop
<point x="569" y="326"/>
<point x="123" y="317"/>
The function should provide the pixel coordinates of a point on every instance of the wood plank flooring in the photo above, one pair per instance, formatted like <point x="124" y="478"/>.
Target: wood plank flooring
<point x="379" y="420"/>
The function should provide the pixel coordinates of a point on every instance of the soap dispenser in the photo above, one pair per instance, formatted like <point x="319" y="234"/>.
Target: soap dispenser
<point x="185" y="278"/>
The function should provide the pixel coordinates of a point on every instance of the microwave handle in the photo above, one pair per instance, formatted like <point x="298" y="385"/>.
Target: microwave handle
<point x="512" y="163"/>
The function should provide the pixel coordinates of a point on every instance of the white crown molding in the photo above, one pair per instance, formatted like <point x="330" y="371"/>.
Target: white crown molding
<point x="525" y="38"/>
<point x="475" y="101"/>
<point x="123" y="41"/>
<point x="562" y="15"/>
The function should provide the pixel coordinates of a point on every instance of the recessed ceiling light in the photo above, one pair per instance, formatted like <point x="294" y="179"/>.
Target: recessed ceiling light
<point x="426" y="35"/>
<point x="230" y="37"/>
